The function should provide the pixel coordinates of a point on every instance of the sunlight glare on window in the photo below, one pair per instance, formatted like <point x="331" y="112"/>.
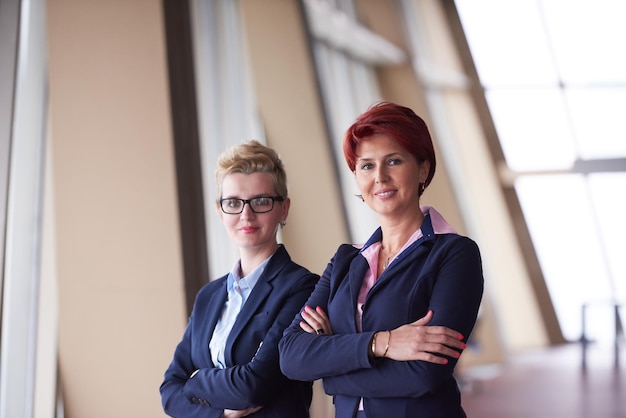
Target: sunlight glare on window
<point x="534" y="129"/>
<point x="562" y="224"/>
<point x="610" y="206"/>
<point x="554" y="74"/>
<point x="507" y="42"/>
<point x="597" y="116"/>
<point x="588" y="39"/>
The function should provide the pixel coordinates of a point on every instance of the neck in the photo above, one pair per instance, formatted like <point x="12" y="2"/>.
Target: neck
<point x="252" y="257"/>
<point x="395" y="234"/>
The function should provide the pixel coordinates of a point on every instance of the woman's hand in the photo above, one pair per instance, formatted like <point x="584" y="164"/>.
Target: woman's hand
<point x="315" y="321"/>
<point x="418" y="341"/>
<point x="232" y="413"/>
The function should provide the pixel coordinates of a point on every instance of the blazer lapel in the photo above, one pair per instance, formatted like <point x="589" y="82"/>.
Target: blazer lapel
<point x="215" y="308"/>
<point x="358" y="267"/>
<point x="412" y="252"/>
<point x="257" y="297"/>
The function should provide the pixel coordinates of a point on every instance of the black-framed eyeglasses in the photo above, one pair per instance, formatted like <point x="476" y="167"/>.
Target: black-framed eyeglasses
<point x="263" y="204"/>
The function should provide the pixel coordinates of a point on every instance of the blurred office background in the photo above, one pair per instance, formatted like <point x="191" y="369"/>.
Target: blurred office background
<point x="112" y="114"/>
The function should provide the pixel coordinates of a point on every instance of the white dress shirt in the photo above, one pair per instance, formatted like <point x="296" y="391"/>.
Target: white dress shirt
<point x="239" y="288"/>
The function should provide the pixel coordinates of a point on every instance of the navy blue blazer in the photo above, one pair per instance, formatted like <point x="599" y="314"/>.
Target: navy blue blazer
<point x="438" y="272"/>
<point x="252" y="376"/>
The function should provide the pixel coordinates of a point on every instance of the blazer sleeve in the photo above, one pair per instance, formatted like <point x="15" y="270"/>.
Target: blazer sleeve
<point x="254" y="383"/>
<point x="240" y="386"/>
<point x="174" y="401"/>
<point x="308" y="357"/>
<point x="455" y="300"/>
<point x="342" y="360"/>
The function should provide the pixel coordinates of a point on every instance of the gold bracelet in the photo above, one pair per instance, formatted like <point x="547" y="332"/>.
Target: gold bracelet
<point x="373" y="346"/>
<point x="387" y="346"/>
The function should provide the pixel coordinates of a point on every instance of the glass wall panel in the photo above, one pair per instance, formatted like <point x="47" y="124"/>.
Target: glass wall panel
<point x="597" y="119"/>
<point x="534" y="128"/>
<point x="555" y="82"/>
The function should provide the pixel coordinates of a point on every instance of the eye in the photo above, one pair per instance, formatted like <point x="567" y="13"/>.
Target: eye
<point x="366" y="166"/>
<point x="394" y="161"/>
<point x="232" y="203"/>
<point x="262" y="201"/>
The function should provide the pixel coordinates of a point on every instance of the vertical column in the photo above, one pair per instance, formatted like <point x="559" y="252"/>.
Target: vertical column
<point x="24" y="116"/>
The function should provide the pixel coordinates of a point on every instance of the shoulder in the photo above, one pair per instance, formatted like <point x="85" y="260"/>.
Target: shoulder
<point x="287" y="269"/>
<point x="456" y="247"/>
<point x="347" y="250"/>
<point x="454" y="240"/>
<point x="294" y="269"/>
<point x="212" y="287"/>
<point x="207" y="293"/>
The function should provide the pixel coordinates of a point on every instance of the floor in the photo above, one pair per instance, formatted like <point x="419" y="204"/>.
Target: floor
<point x="551" y="384"/>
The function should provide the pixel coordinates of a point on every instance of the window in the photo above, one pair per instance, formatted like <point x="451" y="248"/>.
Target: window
<point x="554" y="78"/>
<point x="345" y="54"/>
<point x="226" y="107"/>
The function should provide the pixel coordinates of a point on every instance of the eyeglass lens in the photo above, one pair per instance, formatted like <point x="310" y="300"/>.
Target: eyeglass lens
<point x="258" y="205"/>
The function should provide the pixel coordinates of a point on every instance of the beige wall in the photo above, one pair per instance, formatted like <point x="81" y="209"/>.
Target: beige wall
<point x="121" y="306"/>
<point x="291" y="113"/>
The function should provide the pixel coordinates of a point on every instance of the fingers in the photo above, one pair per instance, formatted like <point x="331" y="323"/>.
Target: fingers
<point x="438" y="329"/>
<point x="423" y="322"/>
<point x="315" y="321"/>
<point x="232" y="413"/>
<point x="251" y="411"/>
<point x="425" y="319"/>
<point x="437" y="348"/>
<point x="407" y="347"/>
<point x="420" y="341"/>
<point x="432" y="358"/>
<point x="306" y="327"/>
<point x="440" y="340"/>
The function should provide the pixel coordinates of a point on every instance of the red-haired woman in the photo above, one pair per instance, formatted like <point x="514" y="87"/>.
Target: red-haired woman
<point x="388" y="320"/>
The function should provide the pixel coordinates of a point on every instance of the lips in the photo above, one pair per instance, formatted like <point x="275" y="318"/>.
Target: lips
<point x="248" y="229"/>
<point x="385" y="193"/>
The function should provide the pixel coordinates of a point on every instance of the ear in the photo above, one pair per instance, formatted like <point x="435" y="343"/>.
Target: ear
<point x="424" y="169"/>
<point x="286" y="204"/>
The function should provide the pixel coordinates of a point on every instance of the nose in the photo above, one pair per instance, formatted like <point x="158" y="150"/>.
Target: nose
<point x="247" y="211"/>
<point x="381" y="175"/>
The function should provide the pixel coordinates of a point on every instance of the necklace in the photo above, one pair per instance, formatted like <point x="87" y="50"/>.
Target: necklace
<point x="388" y="259"/>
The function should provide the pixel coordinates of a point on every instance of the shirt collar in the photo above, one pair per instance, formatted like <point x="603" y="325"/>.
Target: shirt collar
<point x="439" y="224"/>
<point x="434" y="224"/>
<point x="248" y="282"/>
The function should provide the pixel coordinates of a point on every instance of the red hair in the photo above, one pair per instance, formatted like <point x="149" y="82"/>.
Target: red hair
<point x="397" y="122"/>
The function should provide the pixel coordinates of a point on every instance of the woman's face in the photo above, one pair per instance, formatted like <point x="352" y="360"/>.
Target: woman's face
<point x="388" y="176"/>
<point x="250" y="230"/>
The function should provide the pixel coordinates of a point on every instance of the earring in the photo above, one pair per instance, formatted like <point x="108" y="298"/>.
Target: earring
<point x="282" y="224"/>
<point x="359" y="196"/>
<point x="422" y="187"/>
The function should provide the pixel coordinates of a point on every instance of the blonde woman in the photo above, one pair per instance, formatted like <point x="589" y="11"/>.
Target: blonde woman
<point x="226" y="364"/>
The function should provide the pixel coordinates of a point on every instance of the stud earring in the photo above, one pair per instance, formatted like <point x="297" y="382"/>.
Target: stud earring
<point x="282" y="224"/>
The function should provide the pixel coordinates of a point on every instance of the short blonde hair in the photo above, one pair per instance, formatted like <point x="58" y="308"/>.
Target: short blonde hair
<point x="251" y="157"/>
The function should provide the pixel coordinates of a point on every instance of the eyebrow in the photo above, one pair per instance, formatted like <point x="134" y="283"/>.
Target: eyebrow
<point x="398" y="153"/>
<point x="253" y="197"/>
